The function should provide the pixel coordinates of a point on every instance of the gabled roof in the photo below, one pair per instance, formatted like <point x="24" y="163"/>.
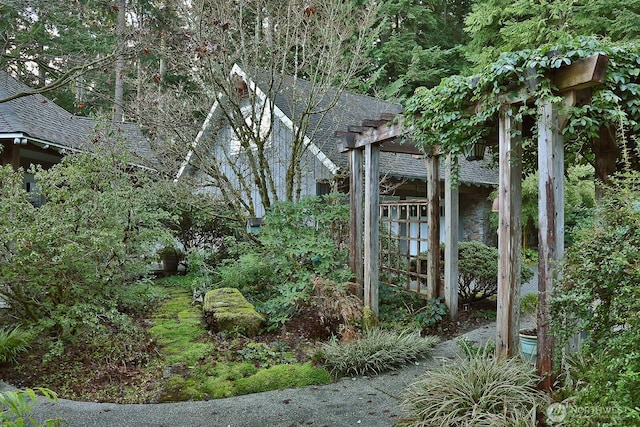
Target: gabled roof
<point x="43" y="122"/>
<point x="291" y="100"/>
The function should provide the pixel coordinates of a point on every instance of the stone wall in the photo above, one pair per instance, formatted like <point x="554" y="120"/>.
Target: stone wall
<point x="475" y="208"/>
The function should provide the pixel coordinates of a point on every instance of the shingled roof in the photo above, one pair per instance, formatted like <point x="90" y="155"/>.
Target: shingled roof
<point x="43" y="122"/>
<point x="352" y="109"/>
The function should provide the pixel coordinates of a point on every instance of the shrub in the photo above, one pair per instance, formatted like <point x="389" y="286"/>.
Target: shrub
<point x="333" y="306"/>
<point x="99" y="223"/>
<point x="478" y="271"/>
<point x="299" y="241"/>
<point x="433" y="312"/>
<point x="376" y="351"/>
<point x="475" y="391"/>
<point x="199" y="221"/>
<point x="138" y="297"/>
<point x="13" y="342"/>
<point x="599" y="294"/>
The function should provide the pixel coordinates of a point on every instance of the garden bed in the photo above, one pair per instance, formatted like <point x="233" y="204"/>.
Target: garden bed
<point x="180" y="360"/>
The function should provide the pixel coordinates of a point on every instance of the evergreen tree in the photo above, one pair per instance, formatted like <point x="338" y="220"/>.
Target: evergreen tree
<point x="419" y="44"/>
<point x="497" y="26"/>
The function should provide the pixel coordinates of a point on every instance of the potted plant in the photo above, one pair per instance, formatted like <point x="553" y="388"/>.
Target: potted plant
<point x="529" y="335"/>
<point x="170" y="257"/>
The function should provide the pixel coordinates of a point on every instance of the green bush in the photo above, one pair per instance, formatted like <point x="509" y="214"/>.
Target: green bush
<point x="199" y="221"/>
<point x="433" y="312"/>
<point x="599" y="294"/>
<point x="96" y="231"/>
<point x="13" y="342"/>
<point x="478" y="271"/>
<point x="475" y="391"/>
<point x="376" y="351"/>
<point x="138" y="297"/>
<point x="298" y="242"/>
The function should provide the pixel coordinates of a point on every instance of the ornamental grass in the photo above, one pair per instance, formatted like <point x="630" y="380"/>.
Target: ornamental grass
<point x="475" y="391"/>
<point x="376" y="351"/>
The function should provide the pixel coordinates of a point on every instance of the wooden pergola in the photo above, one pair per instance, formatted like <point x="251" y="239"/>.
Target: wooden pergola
<point x="365" y="142"/>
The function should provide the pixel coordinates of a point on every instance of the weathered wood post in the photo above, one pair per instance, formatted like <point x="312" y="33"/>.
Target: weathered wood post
<point x="11" y="155"/>
<point x="433" y="214"/>
<point x="356" y="219"/>
<point x="371" y="226"/>
<point x="509" y="235"/>
<point x="551" y="226"/>
<point x="451" y="214"/>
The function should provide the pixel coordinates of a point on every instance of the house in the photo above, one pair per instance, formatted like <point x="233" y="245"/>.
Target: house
<point x="322" y="167"/>
<point x="34" y="130"/>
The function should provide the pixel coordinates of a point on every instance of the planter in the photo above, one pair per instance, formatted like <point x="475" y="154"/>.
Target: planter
<point x="529" y="344"/>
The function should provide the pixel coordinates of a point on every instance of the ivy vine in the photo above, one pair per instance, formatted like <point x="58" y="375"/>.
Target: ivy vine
<point x="463" y="110"/>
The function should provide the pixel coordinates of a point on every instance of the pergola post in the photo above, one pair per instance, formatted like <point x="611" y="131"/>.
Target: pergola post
<point x="509" y="235"/>
<point x="371" y="226"/>
<point x="433" y="214"/>
<point x="451" y="203"/>
<point x="551" y="226"/>
<point x="11" y="155"/>
<point x="356" y="220"/>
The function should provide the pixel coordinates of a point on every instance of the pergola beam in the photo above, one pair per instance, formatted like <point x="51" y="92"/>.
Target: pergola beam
<point x="581" y="74"/>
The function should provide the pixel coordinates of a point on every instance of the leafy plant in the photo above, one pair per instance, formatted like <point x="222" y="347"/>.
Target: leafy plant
<point x="470" y="348"/>
<point x="478" y="271"/>
<point x="16" y="407"/>
<point x="478" y="390"/>
<point x="13" y="342"/>
<point x="441" y="116"/>
<point x="264" y="355"/>
<point x="108" y="215"/>
<point x="376" y="351"/>
<point x="599" y="294"/>
<point x="529" y="307"/>
<point x="431" y="314"/>
<point x="299" y="241"/>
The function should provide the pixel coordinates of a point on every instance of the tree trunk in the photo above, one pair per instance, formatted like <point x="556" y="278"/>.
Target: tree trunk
<point x="118" y="114"/>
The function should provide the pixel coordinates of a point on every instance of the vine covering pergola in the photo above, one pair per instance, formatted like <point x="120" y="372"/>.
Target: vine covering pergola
<point x="578" y="95"/>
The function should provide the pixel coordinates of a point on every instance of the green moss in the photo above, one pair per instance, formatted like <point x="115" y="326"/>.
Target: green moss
<point x="180" y="333"/>
<point x="177" y="281"/>
<point x="369" y="319"/>
<point x="178" y="389"/>
<point x="282" y="376"/>
<point x="179" y="330"/>
<point x="226" y="309"/>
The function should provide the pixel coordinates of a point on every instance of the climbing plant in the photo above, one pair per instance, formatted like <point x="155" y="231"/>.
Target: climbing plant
<point x="463" y="110"/>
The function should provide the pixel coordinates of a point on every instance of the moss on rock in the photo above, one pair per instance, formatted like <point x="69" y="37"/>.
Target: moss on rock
<point x="226" y="309"/>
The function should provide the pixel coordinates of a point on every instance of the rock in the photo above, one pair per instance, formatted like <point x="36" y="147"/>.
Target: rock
<point x="226" y="309"/>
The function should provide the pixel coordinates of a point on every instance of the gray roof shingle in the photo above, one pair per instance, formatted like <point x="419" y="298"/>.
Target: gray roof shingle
<point x="40" y="118"/>
<point x="352" y="109"/>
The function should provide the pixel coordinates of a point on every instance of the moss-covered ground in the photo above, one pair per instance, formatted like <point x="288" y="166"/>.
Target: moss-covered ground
<point x="197" y="364"/>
